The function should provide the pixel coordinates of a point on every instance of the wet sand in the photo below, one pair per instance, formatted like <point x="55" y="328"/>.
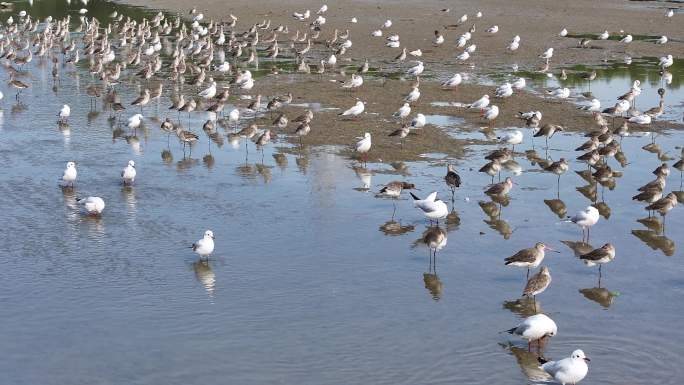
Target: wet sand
<point x="538" y="23"/>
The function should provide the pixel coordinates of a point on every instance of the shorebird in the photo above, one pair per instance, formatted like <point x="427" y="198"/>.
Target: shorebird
<point x="433" y="208"/>
<point x="535" y="328"/>
<point x="537" y="283"/>
<point x="93" y="205"/>
<point x="663" y="205"/>
<point x="128" y="173"/>
<point x="186" y="137"/>
<point x="205" y="246"/>
<point x="356" y="110"/>
<point x="18" y="85"/>
<point x="585" y="219"/>
<point x="501" y="188"/>
<point x="70" y="174"/>
<point x="393" y="189"/>
<point x="547" y="131"/>
<point x="568" y="371"/>
<point x="452" y="179"/>
<point x="600" y="256"/>
<point x="491" y="113"/>
<point x="492" y="168"/>
<point x="416" y="70"/>
<point x="530" y="258"/>
<point x="559" y="168"/>
<point x="142" y="100"/>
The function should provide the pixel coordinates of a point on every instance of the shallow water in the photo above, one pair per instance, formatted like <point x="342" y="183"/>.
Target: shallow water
<point x="314" y="280"/>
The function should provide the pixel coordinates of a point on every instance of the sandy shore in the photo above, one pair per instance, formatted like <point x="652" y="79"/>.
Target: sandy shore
<point x="537" y="22"/>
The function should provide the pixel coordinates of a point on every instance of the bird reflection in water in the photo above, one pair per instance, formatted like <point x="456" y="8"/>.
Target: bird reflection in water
<point x="453" y="220"/>
<point x="265" y="172"/>
<point x="128" y="193"/>
<point x="600" y="295"/>
<point x="523" y="307"/>
<point x="394" y="228"/>
<point x="205" y="276"/>
<point x="365" y="176"/>
<point x="186" y="163"/>
<point x="209" y="161"/>
<point x="528" y="362"/>
<point x="280" y="160"/>
<point x="578" y="248"/>
<point x="167" y="156"/>
<point x="558" y="207"/>
<point x="655" y="241"/>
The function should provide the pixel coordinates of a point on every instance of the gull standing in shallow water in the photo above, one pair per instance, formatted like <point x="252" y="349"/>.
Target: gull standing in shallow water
<point x="586" y="219"/>
<point x="364" y="145"/>
<point x="128" y="173"/>
<point x="93" y="205"/>
<point x="433" y="208"/>
<point x="569" y="370"/>
<point x="535" y="328"/>
<point x="205" y="246"/>
<point x="70" y="174"/>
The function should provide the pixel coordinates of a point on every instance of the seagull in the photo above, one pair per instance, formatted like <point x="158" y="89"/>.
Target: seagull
<point x="210" y="91"/>
<point x="491" y="113"/>
<point x="433" y="208"/>
<point x="419" y="121"/>
<point x="535" y="328"/>
<point x="503" y="91"/>
<point x="416" y="70"/>
<point x="593" y="106"/>
<point x="530" y="258"/>
<point x="70" y="173"/>
<point x="356" y="81"/>
<point x="519" y="84"/>
<point x="355" y="110"/>
<point x="364" y="145"/>
<point x="453" y="82"/>
<point x="511" y="137"/>
<point x="480" y="103"/>
<point x="463" y="56"/>
<point x="128" y="173"/>
<point x="403" y="111"/>
<point x="641" y="119"/>
<point x="135" y="121"/>
<point x="665" y="61"/>
<point x="627" y="39"/>
<point x="603" y="36"/>
<point x="563" y="33"/>
<point x="586" y="219"/>
<point x="569" y="370"/>
<point x="64" y="113"/>
<point x="93" y="205"/>
<point x="561" y="93"/>
<point x="548" y="54"/>
<point x="492" y="30"/>
<point x="205" y="246"/>
<point x="661" y="40"/>
<point x="439" y="38"/>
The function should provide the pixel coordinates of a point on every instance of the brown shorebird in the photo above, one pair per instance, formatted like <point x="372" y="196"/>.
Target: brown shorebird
<point x="492" y="168"/>
<point x="393" y="189"/>
<point x="649" y="196"/>
<point x="501" y="188"/>
<point x="590" y="145"/>
<point x="657" y="183"/>
<point x="663" y="205"/>
<point x="559" y="168"/>
<point x="501" y="155"/>
<point x="537" y="283"/>
<point x="401" y="132"/>
<point x="547" y="131"/>
<point x="600" y="256"/>
<point x="186" y="137"/>
<point x="281" y="121"/>
<point x="19" y="85"/>
<point x="142" y="100"/>
<point x="435" y="238"/>
<point x="663" y="170"/>
<point x="529" y="258"/>
<point x="453" y="180"/>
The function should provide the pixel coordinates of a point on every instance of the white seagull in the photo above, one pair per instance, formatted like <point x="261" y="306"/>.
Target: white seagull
<point x="364" y="145"/>
<point x="480" y="103"/>
<point x="92" y="205"/>
<point x="403" y="111"/>
<point x="355" y="110"/>
<point x="205" y="246"/>
<point x="419" y="121"/>
<point x="586" y="218"/>
<point x="433" y="208"/>
<point x="535" y="328"/>
<point x="70" y="173"/>
<point x="128" y="173"/>
<point x="64" y="113"/>
<point x="569" y="370"/>
<point x="416" y="70"/>
<point x="453" y="81"/>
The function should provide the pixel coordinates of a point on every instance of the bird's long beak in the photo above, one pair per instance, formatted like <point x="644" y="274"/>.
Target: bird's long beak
<point x="550" y="249"/>
<point x="587" y="359"/>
